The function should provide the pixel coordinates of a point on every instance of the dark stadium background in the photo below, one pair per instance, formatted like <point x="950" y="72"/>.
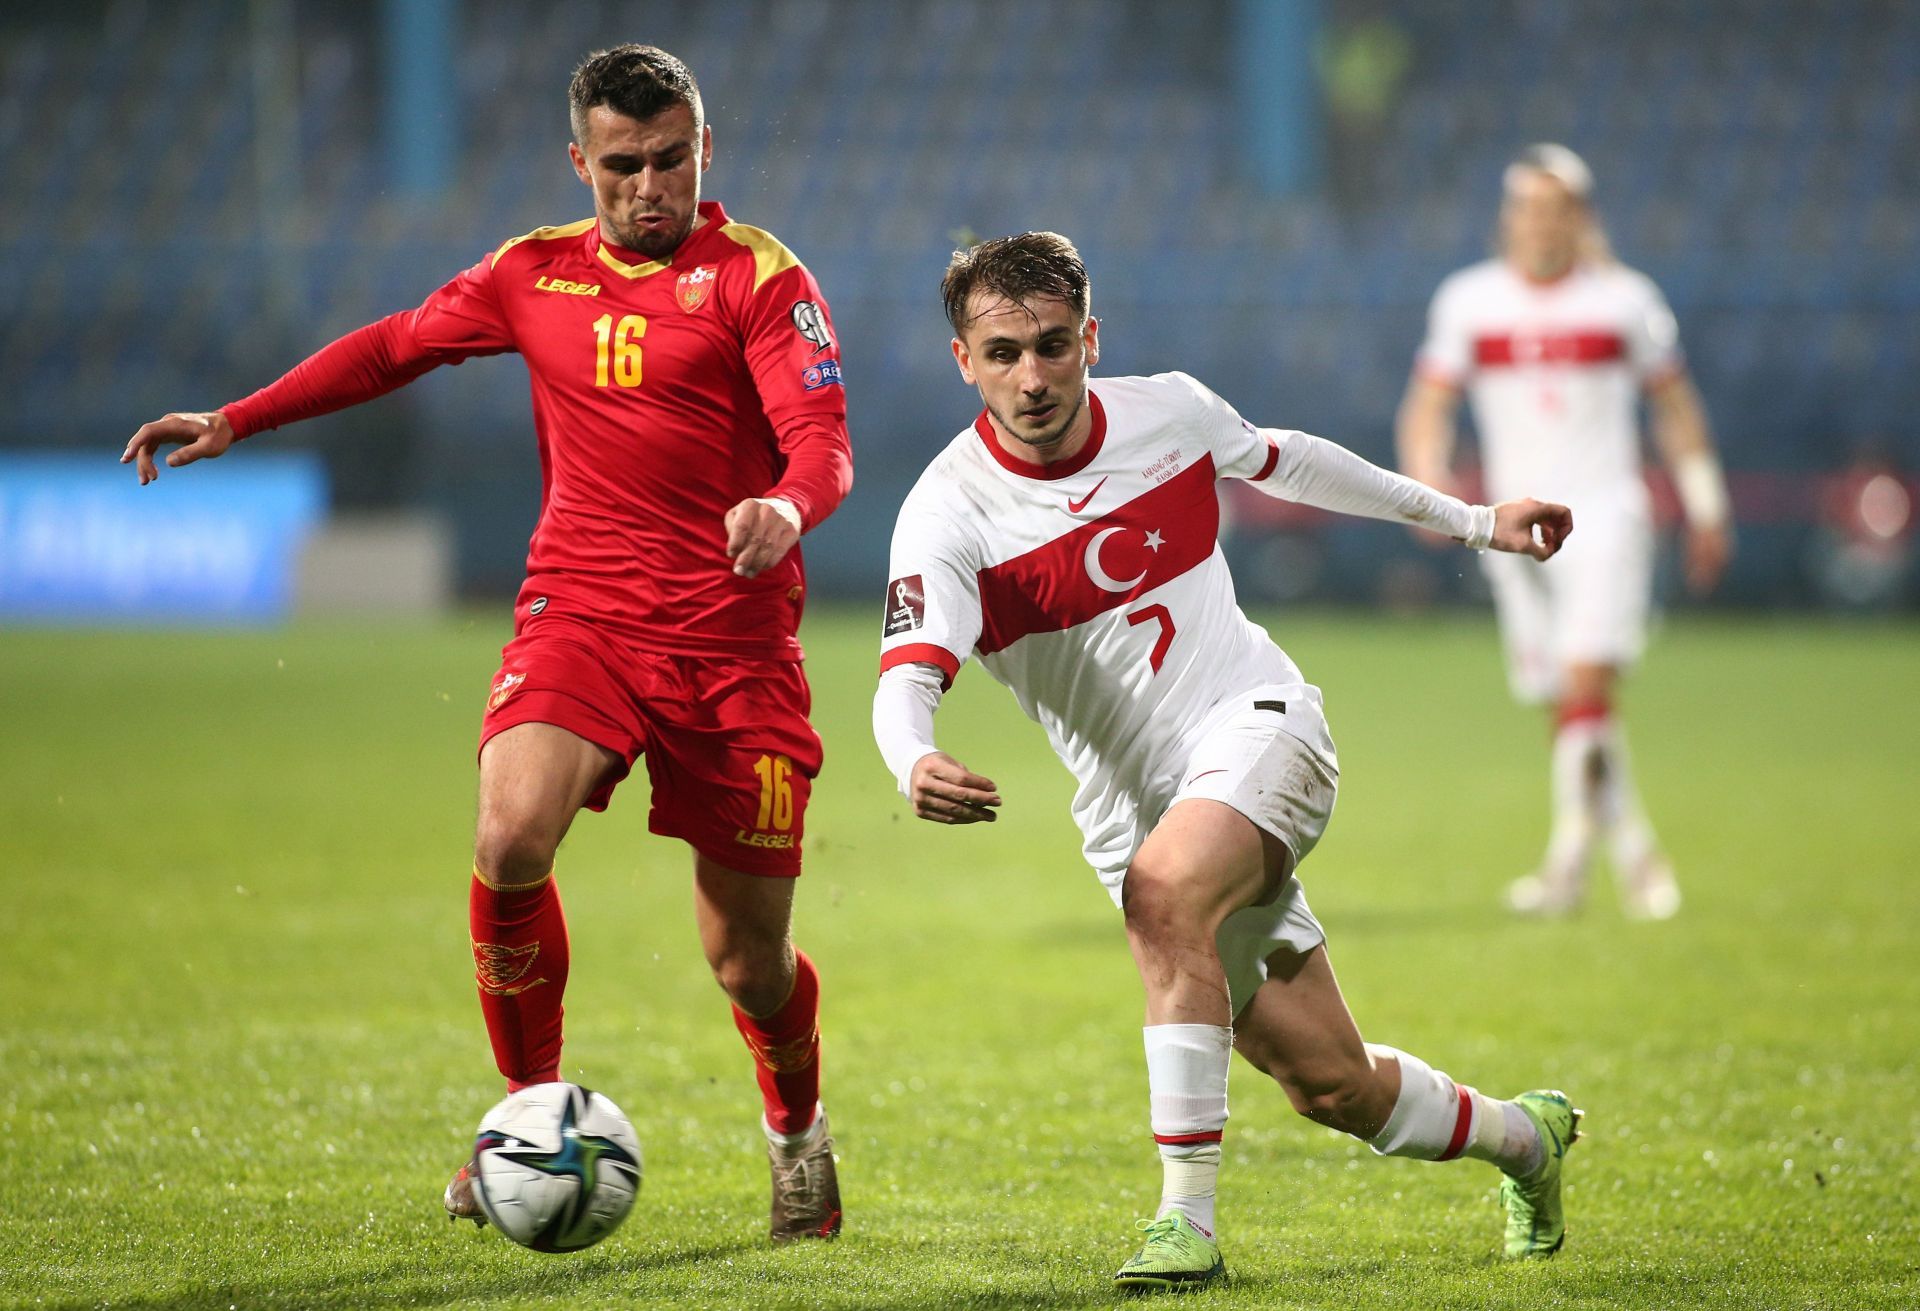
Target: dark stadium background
<point x="197" y="195"/>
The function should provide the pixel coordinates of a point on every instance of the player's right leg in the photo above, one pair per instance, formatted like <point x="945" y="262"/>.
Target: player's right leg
<point x="534" y="777"/>
<point x="1203" y="861"/>
<point x="1528" y="607"/>
<point x="1601" y="593"/>
<point x="1298" y="1030"/>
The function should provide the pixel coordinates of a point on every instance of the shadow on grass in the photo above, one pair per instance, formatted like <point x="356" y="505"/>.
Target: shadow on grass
<point x="411" y="1286"/>
<point x="629" y="1280"/>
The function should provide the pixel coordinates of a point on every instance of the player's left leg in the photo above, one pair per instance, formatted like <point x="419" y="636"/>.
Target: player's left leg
<point x="1298" y="1030"/>
<point x="1647" y="886"/>
<point x="745" y="929"/>
<point x="732" y="777"/>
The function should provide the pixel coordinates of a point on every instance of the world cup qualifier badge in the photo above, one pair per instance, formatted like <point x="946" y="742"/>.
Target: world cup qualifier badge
<point x="906" y="605"/>
<point x="810" y="321"/>
<point x="692" y="287"/>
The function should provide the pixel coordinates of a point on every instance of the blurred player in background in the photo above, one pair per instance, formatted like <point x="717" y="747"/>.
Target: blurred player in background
<point x="692" y="425"/>
<point x="1068" y="539"/>
<point x="1557" y="340"/>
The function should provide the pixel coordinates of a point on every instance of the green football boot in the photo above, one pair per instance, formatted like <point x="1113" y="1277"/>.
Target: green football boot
<point x="1177" y="1258"/>
<point x="1536" y="1222"/>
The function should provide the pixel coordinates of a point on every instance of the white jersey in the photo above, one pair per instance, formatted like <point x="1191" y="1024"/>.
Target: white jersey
<point x="1096" y="590"/>
<point x="1555" y="372"/>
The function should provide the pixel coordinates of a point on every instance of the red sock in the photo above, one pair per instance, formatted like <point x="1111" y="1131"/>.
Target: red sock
<point x="520" y="963"/>
<point x="786" y="1051"/>
<point x="1575" y="712"/>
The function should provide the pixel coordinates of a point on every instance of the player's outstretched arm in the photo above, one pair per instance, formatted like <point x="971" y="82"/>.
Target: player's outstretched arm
<point x="1530" y="527"/>
<point x="199" y="437"/>
<point x="947" y="792"/>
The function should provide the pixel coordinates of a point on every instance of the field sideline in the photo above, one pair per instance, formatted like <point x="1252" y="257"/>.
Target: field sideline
<point x="242" y="1052"/>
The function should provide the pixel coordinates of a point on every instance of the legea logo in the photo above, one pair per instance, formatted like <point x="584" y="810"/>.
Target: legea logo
<point x="567" y="288"/>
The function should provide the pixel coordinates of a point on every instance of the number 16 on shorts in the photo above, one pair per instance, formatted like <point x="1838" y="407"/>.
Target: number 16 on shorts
<point x="774" y="824"/>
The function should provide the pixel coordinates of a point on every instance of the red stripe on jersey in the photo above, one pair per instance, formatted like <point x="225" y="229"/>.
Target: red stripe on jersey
<point x="1463" y="1122"/>
<point x="1079" y="460"/>
<point x="1181" y="1139"/>
<point x="1273" y="458"/>
<point x="922" y="653"/>
<point x="1099" y="566"/>
<point x="1505" y="349"/>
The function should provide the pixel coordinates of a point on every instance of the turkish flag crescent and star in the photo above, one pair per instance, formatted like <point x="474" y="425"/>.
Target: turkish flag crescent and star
<point x="1109" y="562"/>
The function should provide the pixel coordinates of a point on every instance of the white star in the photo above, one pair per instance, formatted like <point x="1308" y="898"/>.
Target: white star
<point x="1154" y="540"/>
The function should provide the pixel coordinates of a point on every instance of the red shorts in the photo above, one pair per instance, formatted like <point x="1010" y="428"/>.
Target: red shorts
<point x="729" y="750"/>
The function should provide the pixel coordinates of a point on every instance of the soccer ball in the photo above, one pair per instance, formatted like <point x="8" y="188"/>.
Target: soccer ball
<point x="559" y="1167"/>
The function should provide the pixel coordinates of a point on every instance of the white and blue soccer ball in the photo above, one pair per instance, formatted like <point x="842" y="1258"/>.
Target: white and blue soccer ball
<point x="559" y="1167"/>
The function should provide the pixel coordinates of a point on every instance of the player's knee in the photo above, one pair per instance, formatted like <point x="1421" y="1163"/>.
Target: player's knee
<point x="755" y="975"/>
<point x="510" y="852"/>
<point x="1162" y="904"/>
<point x="1152" y="907"/>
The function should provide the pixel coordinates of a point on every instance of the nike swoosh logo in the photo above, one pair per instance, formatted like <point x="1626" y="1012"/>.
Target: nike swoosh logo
<point x="1197" y="777"/>
<point x="1075" y="507"/>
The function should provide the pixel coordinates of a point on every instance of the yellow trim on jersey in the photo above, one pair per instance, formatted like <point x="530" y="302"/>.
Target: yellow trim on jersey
<point x="769" y="256"/>
<point x="627" y="270"/>
<point x="542" y="234"/>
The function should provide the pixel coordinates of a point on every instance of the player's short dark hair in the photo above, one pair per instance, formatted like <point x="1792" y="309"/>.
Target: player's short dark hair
<point x="1020" y="268"/>
<point x="635" y="80"/>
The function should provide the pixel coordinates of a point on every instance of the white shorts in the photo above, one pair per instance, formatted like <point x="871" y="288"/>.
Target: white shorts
<point x="1278" y="768"/>
<point x="1587" y="605"/>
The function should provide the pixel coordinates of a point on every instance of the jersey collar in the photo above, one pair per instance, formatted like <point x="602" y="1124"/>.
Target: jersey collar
<point x="1047" y="472"/>
<point x="631" y="264"/>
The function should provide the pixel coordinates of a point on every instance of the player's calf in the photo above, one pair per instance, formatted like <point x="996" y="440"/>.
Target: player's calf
<point x="1352" y="1100"/>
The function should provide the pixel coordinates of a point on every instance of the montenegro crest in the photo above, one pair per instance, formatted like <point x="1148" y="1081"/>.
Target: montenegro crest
<point x="502" y="970"/>
<point x="503" y="689"/>
<point x="691" y="288"/>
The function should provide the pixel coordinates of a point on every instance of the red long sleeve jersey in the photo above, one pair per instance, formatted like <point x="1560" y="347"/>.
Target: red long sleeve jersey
<point x="664" y="393"/>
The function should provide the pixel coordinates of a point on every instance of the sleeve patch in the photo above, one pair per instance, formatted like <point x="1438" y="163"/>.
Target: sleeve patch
<point x="906" y="605"/>
<point x="810" y="321"/>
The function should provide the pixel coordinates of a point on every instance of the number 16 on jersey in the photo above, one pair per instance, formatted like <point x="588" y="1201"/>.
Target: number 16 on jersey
<point x="618" y="344"/>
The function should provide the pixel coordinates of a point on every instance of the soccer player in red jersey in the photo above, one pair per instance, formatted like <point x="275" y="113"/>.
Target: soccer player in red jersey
<point x="692" y="425"/>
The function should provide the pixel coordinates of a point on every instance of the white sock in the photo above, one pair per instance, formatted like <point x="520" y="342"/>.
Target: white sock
<point x="1188" y="1178"/>
<point x="1620" y="811"/>
<point x="797" y="1144"/>
<point x="1436" y="1119"/>
<point x="1576" y="817"/>
<point x="1187" y="1087"/>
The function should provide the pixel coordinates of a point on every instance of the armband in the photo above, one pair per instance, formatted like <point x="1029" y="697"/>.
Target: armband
<point x="1702" y="487"/>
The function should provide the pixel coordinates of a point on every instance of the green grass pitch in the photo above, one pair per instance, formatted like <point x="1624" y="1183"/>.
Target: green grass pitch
<point x="240" y="1050"/>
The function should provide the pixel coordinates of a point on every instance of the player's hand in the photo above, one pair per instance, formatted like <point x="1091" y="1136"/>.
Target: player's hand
<point x="758" y="536"/>
<point x="947" y="792"/>
<point x="1530" y="527"/>
<point x="1708" y="551"/>
<point x="199" y="436"/>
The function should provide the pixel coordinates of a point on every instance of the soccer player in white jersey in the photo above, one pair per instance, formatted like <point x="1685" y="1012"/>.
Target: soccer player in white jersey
<point x="1067" y="540"/>
<point x="1556" y="341"/>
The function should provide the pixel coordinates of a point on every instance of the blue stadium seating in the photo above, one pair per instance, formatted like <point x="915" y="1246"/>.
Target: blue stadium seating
<point x="1757" y="157"/>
